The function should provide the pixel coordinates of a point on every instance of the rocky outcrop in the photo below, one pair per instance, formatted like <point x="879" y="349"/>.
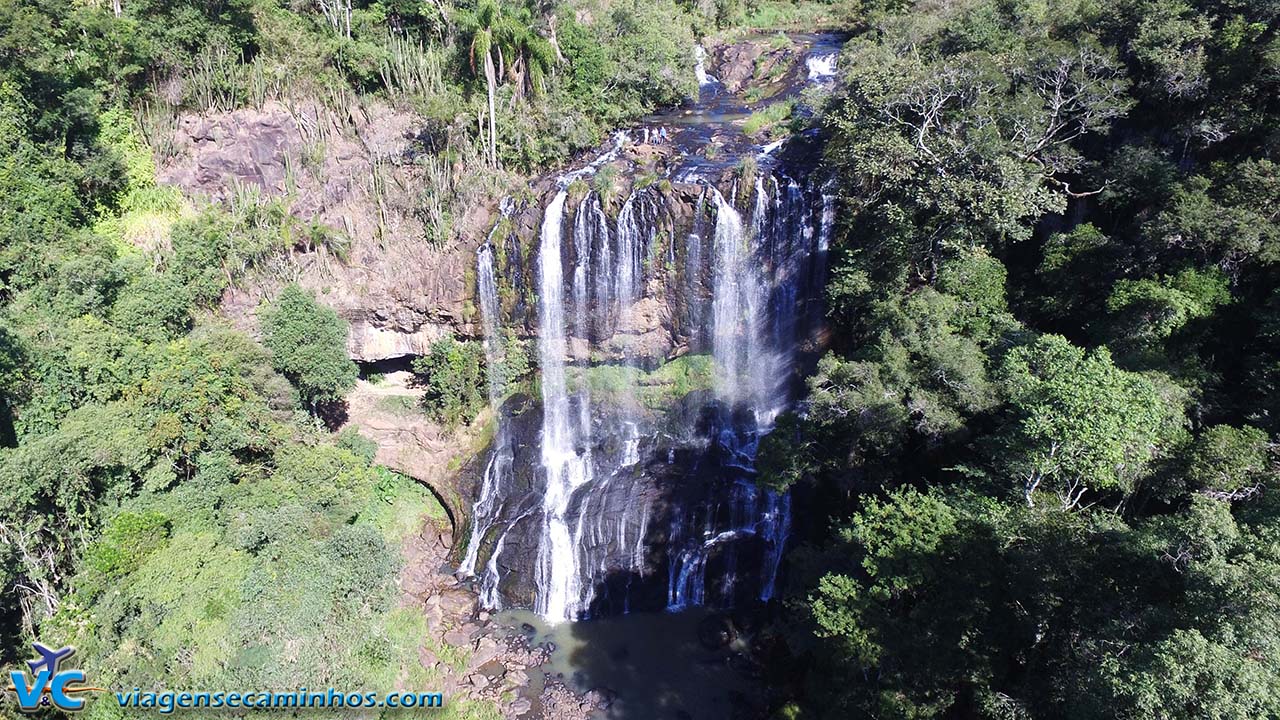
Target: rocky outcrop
<point x="469" y="653"/>
<point x="737" y="64"/>
<point x="369" y="171"/>
<point x="768" y="65"/>
<point x="402" y="281"/>
<point x="388" y="414"/>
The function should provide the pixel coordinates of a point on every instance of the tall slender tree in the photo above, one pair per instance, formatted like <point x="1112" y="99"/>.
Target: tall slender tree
<point x="480" y="25"/>
<point x="502" y="43"/>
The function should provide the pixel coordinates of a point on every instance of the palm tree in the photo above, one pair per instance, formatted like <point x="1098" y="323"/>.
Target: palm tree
<point x="532" y="55"/>
<point x="481" y="26"/>
<point x="498" y="34"/>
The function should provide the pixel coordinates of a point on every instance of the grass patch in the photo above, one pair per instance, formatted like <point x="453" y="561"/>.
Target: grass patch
<point x="777" y="15"/>
<point x="400" y="634"/>
<point x="778" y="40"/>
<point x="657" y="390"/>
<point x="768" y="118"/>
<point x="399" y="504"/>
<point x="759" y="93"/>
<point x="605" y="183"/>
<point x="400" y="405"/>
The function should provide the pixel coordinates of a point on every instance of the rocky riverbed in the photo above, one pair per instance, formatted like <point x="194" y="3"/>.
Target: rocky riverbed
<point x="481" y="657"/>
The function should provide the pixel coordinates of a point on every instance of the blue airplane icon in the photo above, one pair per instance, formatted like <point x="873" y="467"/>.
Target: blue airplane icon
<point x="49" y="658"/>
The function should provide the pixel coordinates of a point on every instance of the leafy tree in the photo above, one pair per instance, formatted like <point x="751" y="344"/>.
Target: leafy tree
<point x="1080" y="424"/>
<point x="308" y="344"/>
<point x="1230" y="463"/>
<point x="126" y="542"/>
<point x="154" y="307"/>
<point x="454" y="374"/>
<point x="1189" y="675"/>
<point x="1149" y="310"/>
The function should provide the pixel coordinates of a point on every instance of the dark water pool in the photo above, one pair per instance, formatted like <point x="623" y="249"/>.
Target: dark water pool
<point x="690" y="665"/>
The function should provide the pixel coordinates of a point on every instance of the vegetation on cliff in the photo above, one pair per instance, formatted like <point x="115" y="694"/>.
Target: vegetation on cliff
<point x="1037" y="458"/>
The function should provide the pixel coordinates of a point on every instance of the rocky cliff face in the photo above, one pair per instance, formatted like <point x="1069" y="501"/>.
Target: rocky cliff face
<point x="647" y="233"/>
<point x="673" y="367"/>
<point x="365" y="170"/>
<point x="363" y="174"/>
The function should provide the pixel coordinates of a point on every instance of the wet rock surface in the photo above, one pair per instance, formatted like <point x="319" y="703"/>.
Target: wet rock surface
<point x="500" y="667"/>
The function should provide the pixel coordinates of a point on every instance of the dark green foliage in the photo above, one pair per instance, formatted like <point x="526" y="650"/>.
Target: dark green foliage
<point x="956" y="601"/>
<point x="155" y="307"/>
<point x="453" y="374"/>
<point x="1079" y="424"/>
<point x="308" y="344"/>
<point x="1044" y="441"/>
<point x="1230" y="463"/>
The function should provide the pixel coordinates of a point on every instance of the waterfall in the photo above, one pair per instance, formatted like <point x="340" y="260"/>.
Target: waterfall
<point x="591" y="228"/>
<point x="728" y="313"/>
<point x="759" y="276"/>
<point x="634" y="235"/>
<point x="566" y="468"/>
<point x="821" y="66"/>
<point x="739" y="296"/>
<point x="485" y="511"/>
<point x="700" y="67"/>
<point x="693" y="268"/>
<point x="643" y="491"/>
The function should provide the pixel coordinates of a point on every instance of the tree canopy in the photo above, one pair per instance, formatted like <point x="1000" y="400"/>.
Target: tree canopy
<point x="1041" y="451"/>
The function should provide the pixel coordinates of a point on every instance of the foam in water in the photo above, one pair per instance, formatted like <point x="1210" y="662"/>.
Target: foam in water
<point x="700" y="67"/>
<point x="821" y="66"/>
<point x="770" y="148"/>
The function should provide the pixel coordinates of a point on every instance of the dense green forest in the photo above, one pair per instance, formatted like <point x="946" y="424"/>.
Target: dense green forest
<point x="1048" y="420"/>
<point x="1042" y="440"/>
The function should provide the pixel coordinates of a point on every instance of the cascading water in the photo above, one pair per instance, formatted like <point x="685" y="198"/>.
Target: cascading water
<point x="486" y="508"/>
<point x="760" y="278"/>
<point x="668" y="322"/>
<point x="567" y="469"/>
<point x="822" y="66"/>
<point x="700" y="67"/>
<point x="735" y="294"/>
<point x="566" y="438"/>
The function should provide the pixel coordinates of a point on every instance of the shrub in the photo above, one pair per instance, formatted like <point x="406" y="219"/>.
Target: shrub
<point x="308" y="344"/>
<point x="454" y="373"/>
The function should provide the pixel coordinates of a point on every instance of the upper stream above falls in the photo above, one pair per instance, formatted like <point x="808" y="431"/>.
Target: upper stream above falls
<point x="670" y="288"/>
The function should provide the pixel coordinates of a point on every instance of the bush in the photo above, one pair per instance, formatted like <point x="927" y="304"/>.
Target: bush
<point x="454" y="373"/>
<point x="308" y="343"/>
<point x="126" y="543"/>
